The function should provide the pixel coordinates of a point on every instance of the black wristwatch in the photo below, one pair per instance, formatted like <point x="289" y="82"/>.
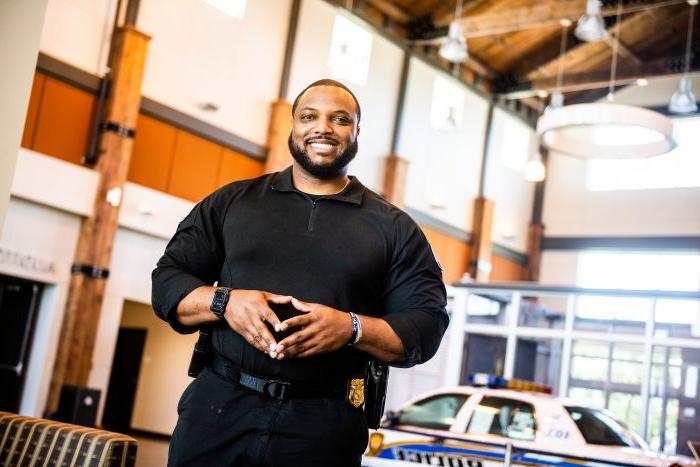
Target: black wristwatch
<point x="218" y="303"/>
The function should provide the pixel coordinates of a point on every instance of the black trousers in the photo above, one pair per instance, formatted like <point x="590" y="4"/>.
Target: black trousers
<point x="224" y="424"/>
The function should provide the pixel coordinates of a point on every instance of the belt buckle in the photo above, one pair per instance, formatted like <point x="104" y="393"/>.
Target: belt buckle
<point x="276" y="389"/>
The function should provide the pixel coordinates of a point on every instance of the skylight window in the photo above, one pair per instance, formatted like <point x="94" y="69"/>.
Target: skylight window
<point x="447" y="107"/>
<point x="235" y="8"/>
<point x="351" y="49"/>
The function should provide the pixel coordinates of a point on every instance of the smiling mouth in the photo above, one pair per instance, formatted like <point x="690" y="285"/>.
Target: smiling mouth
<point x="322" y="145"/>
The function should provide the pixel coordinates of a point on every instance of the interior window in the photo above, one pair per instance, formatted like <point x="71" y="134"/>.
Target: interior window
<point x="504" y="417"/>
<point x="599" y="428"/>
<point x="437" y="412"/>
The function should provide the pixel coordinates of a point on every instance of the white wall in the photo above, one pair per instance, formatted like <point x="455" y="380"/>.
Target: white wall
<point x="49" y="236"/>
<point x="443" y="175"/>
<point x="505" y="182"/>
<point x="657" y="93"/>
<point x="199" y="54"/>
<point x="78" y="32"/>
<point x="163" y="375"/>
<point x="378" y="97"/>
<point x="21" y="24"/>
<point x="571" y="210"/>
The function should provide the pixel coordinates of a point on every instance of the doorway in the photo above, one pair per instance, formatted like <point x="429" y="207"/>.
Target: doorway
<point x="19" y="302"/>
<point x="123" y="380"/>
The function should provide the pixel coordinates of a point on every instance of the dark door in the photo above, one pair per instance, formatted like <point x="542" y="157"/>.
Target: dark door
<point x="19" y="301"/>
<point x="123" y="379"/>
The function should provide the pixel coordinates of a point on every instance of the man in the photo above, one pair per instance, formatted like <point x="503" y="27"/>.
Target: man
<point x="315" y="274"/>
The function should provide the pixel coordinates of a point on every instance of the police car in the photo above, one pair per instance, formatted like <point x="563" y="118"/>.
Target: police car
<point x="497" y="422"/>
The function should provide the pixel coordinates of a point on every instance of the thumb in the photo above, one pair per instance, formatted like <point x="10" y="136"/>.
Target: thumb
<point x="302" y="306"/>
<point x="278" y="299"/>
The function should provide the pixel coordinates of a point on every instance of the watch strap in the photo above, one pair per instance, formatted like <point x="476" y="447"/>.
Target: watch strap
<point x="218" y="303"/>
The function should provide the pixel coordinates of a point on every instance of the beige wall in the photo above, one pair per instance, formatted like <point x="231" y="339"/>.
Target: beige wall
<point x="22" y="21"/>
<point x="163" y="374"/>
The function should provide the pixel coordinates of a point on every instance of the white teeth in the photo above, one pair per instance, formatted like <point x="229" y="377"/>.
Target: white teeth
<point x="322" y="146"/>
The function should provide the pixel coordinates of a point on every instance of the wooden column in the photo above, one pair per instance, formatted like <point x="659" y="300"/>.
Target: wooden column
<point x="94" y="251"/>
<point x="535" y="234"/>
<point x="278" y="156"/>
<point x="480" y="251"/>
<point x="395" y="173"/>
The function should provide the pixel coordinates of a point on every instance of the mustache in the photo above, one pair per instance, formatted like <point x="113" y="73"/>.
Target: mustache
<point x="321" y="139"/>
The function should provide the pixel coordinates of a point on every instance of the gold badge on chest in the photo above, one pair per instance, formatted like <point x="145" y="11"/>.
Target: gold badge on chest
<point x="356" y="392"/>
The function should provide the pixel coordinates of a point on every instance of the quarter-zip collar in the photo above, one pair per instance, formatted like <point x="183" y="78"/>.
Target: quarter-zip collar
<point x="353" y="193"/>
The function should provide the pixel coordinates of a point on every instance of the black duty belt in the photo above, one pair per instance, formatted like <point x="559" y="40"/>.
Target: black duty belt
<point x="274" y="388"/>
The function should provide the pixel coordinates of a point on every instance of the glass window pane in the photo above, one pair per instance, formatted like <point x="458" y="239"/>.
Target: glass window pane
<point x="487" y="309"/>
<point x="437" y="412"/>
<point x="542" y="312"/>
<point x="588" y="397"/>
<point x="589" y="368"/>
<point x="503" y="417"/>
<point x="484" y="354"/>
<point x="539" y="360"/>
<point x="627" y="407"/>
<point x="677" y="318"/>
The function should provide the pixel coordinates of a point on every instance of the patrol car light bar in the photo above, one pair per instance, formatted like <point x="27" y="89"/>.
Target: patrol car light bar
<point x="497" y="382"/>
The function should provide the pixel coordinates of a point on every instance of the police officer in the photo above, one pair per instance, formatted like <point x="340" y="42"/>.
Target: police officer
<point x="315" y="274"/>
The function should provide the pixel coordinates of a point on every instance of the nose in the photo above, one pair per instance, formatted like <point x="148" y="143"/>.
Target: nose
<point x="323" y="126"/>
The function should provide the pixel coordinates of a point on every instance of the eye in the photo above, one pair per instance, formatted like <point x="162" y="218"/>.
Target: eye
<point x="342" y="120"/>
<point x="306" y="117"/>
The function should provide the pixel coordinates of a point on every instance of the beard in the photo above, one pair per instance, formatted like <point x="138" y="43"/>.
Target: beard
<point x="322" y="171"/>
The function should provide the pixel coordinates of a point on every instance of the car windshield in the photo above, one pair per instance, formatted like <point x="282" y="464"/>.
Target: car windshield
<point x="437" y="412"/>
<point x="597" y="427"/>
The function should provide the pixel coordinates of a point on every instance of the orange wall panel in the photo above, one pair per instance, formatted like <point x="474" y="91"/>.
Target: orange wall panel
<point x="236" y="166"/>
<point x="195" y="168"/>
<point x="452" y="253"/>
<point x="504" y="269"/>
<point x="64" y="121"/>
<point x="152" y="156"/>
<point x="33" y="110"/>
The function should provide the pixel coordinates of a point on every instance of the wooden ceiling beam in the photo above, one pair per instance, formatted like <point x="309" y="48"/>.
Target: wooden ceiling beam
<point x="598" y="79"/>
<point x="391" y="10"/>
<point x="545" y="12"/>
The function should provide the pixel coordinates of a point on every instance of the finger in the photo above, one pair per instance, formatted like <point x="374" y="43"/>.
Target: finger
<point x="256" y="341"/>
<point x="297" y="322"/>
<point x="267" y="314"/>
<point x="308" y="353"/>
<point x="302" y="306"/>
<point x="290" y="344"/>
<point x="279" y="299"/>
<point x="268" y="341"/>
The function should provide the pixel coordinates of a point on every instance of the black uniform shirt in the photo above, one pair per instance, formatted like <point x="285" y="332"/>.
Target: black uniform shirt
<point x="352" y="251"/>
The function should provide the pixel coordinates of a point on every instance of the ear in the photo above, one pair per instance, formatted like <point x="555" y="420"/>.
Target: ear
<point x="358" y="131"/>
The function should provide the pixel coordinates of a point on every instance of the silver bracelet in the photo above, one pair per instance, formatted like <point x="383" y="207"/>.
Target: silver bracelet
<point x="356" y="329"/>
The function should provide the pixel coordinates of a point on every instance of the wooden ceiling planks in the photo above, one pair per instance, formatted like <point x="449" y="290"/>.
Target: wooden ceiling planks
<point x="514" y="44"/>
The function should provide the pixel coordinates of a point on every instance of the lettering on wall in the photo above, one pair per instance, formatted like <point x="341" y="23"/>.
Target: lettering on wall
<point x="26" y="262"/>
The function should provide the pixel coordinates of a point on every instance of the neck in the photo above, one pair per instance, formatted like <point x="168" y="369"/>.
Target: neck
<point x="307" y="183"/>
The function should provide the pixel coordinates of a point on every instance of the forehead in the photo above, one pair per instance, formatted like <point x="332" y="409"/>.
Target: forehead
<point x="330" y="98"/>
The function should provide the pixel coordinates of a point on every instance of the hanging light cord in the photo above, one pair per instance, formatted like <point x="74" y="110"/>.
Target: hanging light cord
<point x="690" y="39"/>
<point x="562" y="49"/>
<point x="616" y="45"/>
<point x="458" y="10"/>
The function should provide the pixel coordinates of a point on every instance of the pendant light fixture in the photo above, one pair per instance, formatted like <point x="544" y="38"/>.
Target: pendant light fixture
<point x="606" y="130"/>
<point x="557" y="98"/>
<point x="590" y="26"/>
<point x="454" y="47"/>
<point x="683" y="100"/>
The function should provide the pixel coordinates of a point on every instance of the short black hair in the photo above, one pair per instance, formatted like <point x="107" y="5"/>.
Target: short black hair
<point x="328" y="82"/>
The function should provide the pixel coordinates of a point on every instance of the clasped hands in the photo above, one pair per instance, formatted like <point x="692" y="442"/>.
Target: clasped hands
<point x="318" y="329"/>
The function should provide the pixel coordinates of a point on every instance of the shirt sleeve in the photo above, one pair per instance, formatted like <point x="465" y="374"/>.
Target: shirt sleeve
<point x="193" y="258"/>
<point x="415" y="298"/>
